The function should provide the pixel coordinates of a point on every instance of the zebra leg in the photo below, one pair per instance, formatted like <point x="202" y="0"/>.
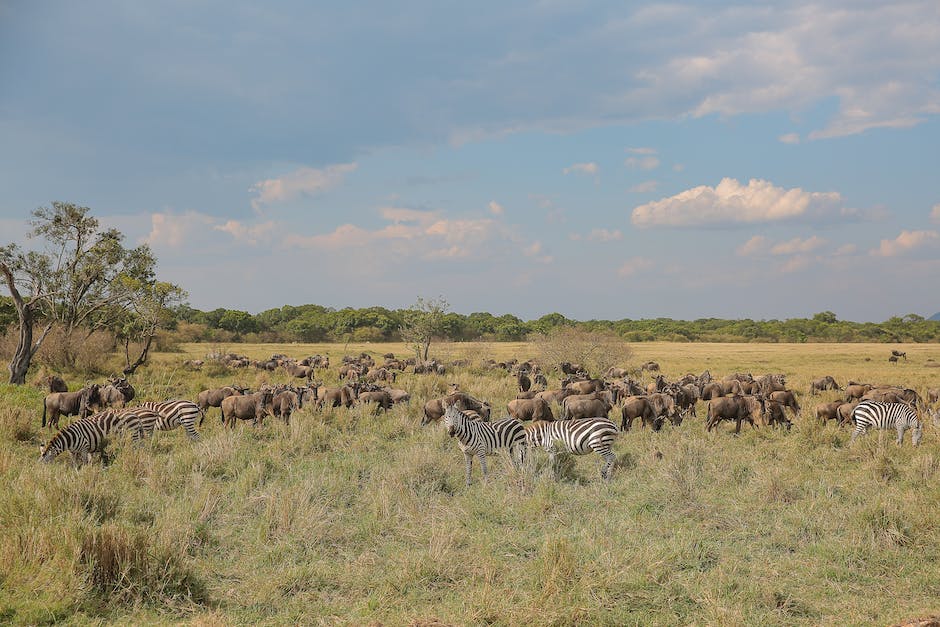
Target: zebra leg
<point x="901" y="430"/>
<point x="609" y="458"/>
<point x="553" y="462"/>
<point x="482" y="458"/>
<point x="191" y="431"/>
<point x="468" y="458"/>
<point x="858" y="431"/>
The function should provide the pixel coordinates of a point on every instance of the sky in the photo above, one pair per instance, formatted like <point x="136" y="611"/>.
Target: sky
<point x="599" y="159"/>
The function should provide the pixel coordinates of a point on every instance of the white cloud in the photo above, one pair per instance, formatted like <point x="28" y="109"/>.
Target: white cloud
<point x="496" y="209"/>
<point x="754" y="246"/>
<point x="790" y="138"/>
<point x="645" y="187"/>
<point x="536" y="251"/>
<point x="798" y="245"/>
<point x="251" y="235"/>
<point x="795" y="264"/>
<point x="935" y="213"/>
<point x="730" y="202"/>
<point x="173" y="230"/>
<point x="600" y="235"/>
<point x="642" y="163"/>
<point x="846" y="250"/>
<point x="589" y="168"/>
<point x="303" y="181"/>
<point x="906" y="242"/>
<point x="634" y="265"/>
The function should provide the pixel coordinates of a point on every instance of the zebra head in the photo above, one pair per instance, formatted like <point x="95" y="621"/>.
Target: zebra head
<point x="49" y="450"/>
<point x="454" y="419"/>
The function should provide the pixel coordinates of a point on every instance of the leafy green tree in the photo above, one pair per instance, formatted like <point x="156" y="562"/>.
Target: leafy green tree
<point x="151" y="308"/>
<point x="421" y="323"/>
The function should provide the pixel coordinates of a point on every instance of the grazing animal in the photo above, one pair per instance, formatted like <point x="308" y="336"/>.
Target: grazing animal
<point x="435" y="408"/>
<point x="736" y="408"/>
<point x="585" y="406"/>
<point x="214" y="398"/>
<point x="524" y="381"/>
<point x="381" y="398"/>
<point x="639" y="407"/>
<point x="285" y="402"/>
<point x="822" y="384"/>
<point x="54" y="383"/>
<point x="530" y="409"/>
<point x="828" y="411"/>
<point x="787" y="399"/>
<point x="176" y="413"/>
<point x="79" y="403"/>
<point x="89" y="434"/>
<point x="484" y="438"/>
<point x="579" y="437"/>
<point x="247" y="406"/>
<point x="899" y="416"/>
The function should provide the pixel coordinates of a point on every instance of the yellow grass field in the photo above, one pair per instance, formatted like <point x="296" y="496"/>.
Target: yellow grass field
<point x="345" y="517"/>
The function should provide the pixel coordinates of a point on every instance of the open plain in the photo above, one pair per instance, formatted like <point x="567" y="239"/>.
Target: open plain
<point x="345" y="516"/>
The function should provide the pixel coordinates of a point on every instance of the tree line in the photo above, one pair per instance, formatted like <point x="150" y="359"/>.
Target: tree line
<point x="80" y="280"/>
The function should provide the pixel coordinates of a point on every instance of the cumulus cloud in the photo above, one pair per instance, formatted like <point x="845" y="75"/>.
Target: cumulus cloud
<point x="730" y="203"/>
<point x="935" y="213"/>
<point x="303" y="181"/>
<point x="172" y="230"/>
<point x="906" y="242"/>
<point x="634" y="265"/>
<point x="790" y="138"/>
<point x="589" y="168"/>
<point x="496" y="209"/>
<point x="754" y="246"/>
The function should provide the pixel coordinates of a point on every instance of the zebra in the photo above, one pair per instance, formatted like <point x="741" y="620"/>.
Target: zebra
<point x="900" y="416"/>
<point x="89" y="435"/>
<point x="176" y="413"/>
<point x="579" y="437"/>
<point x="483" y="438"/>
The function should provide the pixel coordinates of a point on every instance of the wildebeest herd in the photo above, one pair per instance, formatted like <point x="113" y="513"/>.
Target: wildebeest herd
<point x="575" y="417"/>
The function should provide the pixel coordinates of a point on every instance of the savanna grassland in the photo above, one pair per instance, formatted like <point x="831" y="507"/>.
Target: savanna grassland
<point x="348" y="517"/>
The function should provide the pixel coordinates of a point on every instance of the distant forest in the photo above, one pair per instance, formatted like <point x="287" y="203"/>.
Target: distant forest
<point x="315" y="323"/>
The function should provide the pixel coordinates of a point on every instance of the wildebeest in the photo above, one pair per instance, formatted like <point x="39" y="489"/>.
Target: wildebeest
<point x="380" y="397"/>
<point x="638" y="407"/>
<point x="530" y="409"/>
<point x="252" y="407"/>
<point x="434" y="408"/>
<point x="596" y="405"/>
<point x="737" y="408"/>
<point x="822" y="384"/>
<point x="344" y="396"/>
<point x="79" y="403"/>
<point x="787" y="399"/>
<point x="214" y="398"/>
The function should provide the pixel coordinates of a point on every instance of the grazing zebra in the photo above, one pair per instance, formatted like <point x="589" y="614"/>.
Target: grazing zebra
<point x="579" y="437"/>
<point x="900" y="416"/>
<point x="176" y="413"/>
<point x="88" y="435"/>
<point x="483" y="438"/>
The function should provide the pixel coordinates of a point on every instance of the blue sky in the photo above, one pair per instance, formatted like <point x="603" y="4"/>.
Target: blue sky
<point x="603" y="160"/>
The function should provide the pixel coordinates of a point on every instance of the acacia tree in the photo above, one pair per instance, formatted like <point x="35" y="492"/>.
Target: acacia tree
<point x="82" y="280"/>
<point x="150" y="309"/>
<point x="24" y="271"/>
<point x="421" y="322"/>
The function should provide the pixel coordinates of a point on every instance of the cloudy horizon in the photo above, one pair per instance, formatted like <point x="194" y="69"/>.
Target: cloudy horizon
<point x="669" y="160"/>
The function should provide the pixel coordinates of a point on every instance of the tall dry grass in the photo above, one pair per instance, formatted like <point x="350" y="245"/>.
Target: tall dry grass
<point x="349" y="517"/>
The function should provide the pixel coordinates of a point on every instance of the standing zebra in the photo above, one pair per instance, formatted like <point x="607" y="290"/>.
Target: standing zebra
<point x="900" y="416"/>
<point x="579" y="437"/>
<point x="89" y="435"/>
<point x="176" y="413"/>
<point x="483" y="438"/>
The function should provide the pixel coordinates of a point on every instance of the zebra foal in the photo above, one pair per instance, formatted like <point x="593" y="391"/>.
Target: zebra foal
<point x="578" y="437"/>
<point x="89" y="435"/>
<point x="484" y="438"/>
<point x="900" y="416"/>
<point x="174" y="414"/>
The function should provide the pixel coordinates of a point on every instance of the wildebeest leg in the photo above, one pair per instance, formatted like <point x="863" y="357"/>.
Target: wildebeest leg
<point x="737" y="426"/>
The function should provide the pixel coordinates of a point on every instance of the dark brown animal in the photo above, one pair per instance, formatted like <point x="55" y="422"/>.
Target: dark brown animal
<point x="774" y="414"/>
<point x="530" y="409"/>
<point x="664" y="408"/>
<point x="252" y="407"/>
<point x="638" y="407"/>
<point x="787" y="399"/>
<point x="381" y="398"/>
<point x="434" y="409"/>
<point x="54" y="383"/>
<point x="336" y="397"/>
<point x="214" y="398"/>
<point x="285" y="403"/>
<point x="79" y="403"/>
<point x="822" y="384"/>
<point x="594" y="405"/>
<point x="828" y="411"/>
<point x="737" y="408"/>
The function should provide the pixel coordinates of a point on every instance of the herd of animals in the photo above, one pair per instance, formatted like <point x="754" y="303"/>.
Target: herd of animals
<point x="575" y="417"/>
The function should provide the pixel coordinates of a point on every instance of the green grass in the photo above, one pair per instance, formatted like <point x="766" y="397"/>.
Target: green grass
<point x="346" y="517"/>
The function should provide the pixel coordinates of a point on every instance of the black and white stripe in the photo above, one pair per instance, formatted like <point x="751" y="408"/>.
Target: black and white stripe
<point x="89" y="435"/>
<point x="900" y="416"/>
<point x="579" y="437"/>
<point x="484" y="438"/>
<point x="176" y="413"/>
